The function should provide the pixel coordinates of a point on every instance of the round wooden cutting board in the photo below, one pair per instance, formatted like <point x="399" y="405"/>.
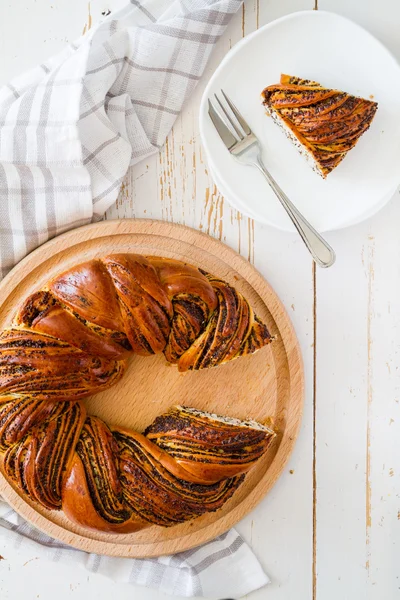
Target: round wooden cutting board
<point x="266" y="385"/>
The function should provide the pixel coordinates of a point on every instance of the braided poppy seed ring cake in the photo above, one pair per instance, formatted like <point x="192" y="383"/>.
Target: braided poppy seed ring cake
<point x="70" y="340"/>
<point x="266" y="386"/>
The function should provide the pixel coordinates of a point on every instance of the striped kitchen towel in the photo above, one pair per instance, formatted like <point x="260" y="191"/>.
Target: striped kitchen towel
<point x="69" y="130"/>
<point x="223" y="568"/>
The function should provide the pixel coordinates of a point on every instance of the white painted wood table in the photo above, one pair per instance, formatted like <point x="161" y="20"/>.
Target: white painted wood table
<point x="330" y="528"/>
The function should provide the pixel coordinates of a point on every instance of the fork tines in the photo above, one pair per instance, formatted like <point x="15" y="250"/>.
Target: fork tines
<point x="230" y="125"/>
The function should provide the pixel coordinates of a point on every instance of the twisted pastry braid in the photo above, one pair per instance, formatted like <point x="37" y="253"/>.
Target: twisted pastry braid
<point x="188" y="463"/>
<point x="326" y="122"/>
<point x="72" y="339"/>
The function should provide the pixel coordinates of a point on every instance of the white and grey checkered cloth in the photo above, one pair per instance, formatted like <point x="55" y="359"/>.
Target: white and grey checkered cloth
<point x="69" y="129"/>
<point x="223" y="568"/>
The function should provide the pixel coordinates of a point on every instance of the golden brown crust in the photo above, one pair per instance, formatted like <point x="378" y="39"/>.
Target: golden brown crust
<point x="78" y="506"/>
<point x="165" y="459"/>
<point x="88" y="290"/>
<point x="38" y="462"/>
<point x="47" y="368"/>
<point x="328" y="123"/>
<point x="41" y="312"/>
<point x="145" y="306"/>
<point x="194" y="300"/>
<point x="208" y="447"/>
<point x="153" y="490"/>
<point x="120" y="480"/>
<point x="63" y="344"/>
<point x="70" y="340"/>
<point x="180" y="278"/>
<point x="227" y="331"/>
<point x="17" y="417"/>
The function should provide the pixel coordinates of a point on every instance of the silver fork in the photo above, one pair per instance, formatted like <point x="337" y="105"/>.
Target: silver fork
<point x="245" y="147"/>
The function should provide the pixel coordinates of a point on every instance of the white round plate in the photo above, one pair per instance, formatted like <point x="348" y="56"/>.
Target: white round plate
<point x="339" y="54"/>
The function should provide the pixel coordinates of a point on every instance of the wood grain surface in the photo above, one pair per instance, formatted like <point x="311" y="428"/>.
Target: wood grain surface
<point x="330" y="527"/>
<point x="265" y="386"/>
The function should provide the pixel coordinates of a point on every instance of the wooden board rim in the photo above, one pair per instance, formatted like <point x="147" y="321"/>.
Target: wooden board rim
<point x="295" y="365"/>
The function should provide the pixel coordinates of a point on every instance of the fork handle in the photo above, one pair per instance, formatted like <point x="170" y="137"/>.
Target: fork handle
<point x="319" y="249"/>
